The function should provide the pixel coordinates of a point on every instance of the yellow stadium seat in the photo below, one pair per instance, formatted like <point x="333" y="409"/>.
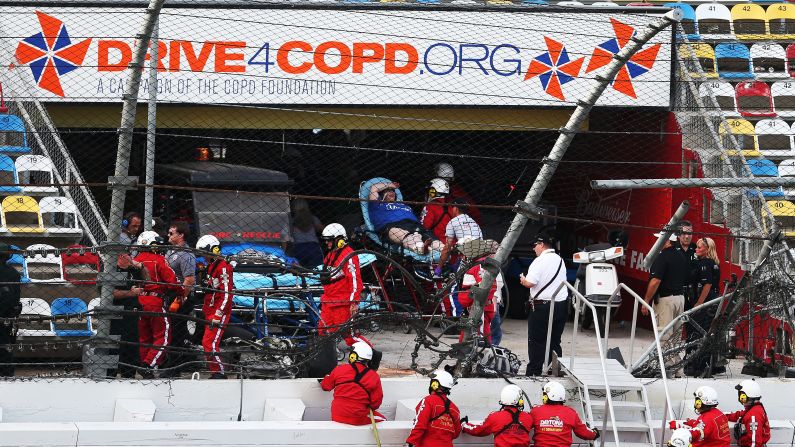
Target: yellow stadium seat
<point x="750" y="21"/>
<point x="20" y="214"/>
<point x="745" y="135"/>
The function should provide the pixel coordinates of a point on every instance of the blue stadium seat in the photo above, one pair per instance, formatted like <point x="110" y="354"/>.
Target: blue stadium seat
<point x="8" y="175"/>
<point x="13" y="136"/>
<point x="734" y="61"/>
<point x="75" y="326"/>
<point x="688" y="21"/>
<point x="18" y="262"/>
<point x="761" y="167"/>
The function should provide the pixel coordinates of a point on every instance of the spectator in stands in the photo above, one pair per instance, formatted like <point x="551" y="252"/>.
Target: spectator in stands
<point x="665" y="290"/>
<point x="435" y="216"/>
<point x="130" y="228"/>
<point x="10" y="307"/>
<point x="306" y="246"/>
<point x="395" y="220"/>
<point x="445" y="171"/>
<point x="461" y="226"/>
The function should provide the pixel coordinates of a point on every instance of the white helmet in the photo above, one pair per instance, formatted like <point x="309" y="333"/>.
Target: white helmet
<point x="333" y="231"/>
<point x="512" y="395"/>
<point x="444" y="170"/>
<point x="207" y="242"/>
<point x="363" y="351"/>
<point x="680" y="438"/>
<point x="444" y="378"/>
<point x="441" y="186"/>
<point x="707" y="395"/>
<point x="148" y="238"/>
<point x="750" y="388"/>
<point x="554" y="391"/>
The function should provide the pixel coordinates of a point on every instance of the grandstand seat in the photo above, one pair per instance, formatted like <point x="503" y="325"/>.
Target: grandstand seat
<point x="8" y="176"/>
<point x="786" y="168"/>
<point x="754" y="99"/>
<point x="80" y="268"/>
<point x="783" y="93"/>
<point x="59" y="215"/>
<point x="18" y="262"/>
<point x="535" y="2"/>
<point x="604" y="4"/>
<point x="750" y="21"/>
<point x="774" y="137"/>
<point x="93" y="304"/>
<point x="733" y="61"/>
<point x="35" y="174"/>
<point x="781" y="21"/>
<point x="743" y="132"/>
<point x="43" y="266"/>
<point x="769" y="61"/>
<point x="791" y="60"/>
<point x="640" y="5"/>
<point x="570" y="3"/>
<point x="499" y="2"/>
<point x="724" y="95"/>
<point x="714" y="21"/>
<point x="35" y="307"/>
<point x="74" y="326"/>
<point x="13" y="136"/>
<point x="705" y="56"/>
<point x="783" y="212"/>
<point x="760" y="167"/>
<point x="688" y="21"/>
<point x="20" y="214"/>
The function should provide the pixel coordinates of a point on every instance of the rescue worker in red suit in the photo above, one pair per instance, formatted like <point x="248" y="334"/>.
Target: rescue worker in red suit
<point x="357" y="388"/>
<point x="553" y="422"/>
<point x="510" y="425"/>
<point x="154" y="331"/>
<point x="445" y="171"/>
<point x="217" y="308"/>
<point x="751" y="428"/>
<point x="473" y="277"/>
<point x="437" y="421"/>
<point x="342" y="285"/>
<point x="434" y="215"/>
<point x="711" y="428"/>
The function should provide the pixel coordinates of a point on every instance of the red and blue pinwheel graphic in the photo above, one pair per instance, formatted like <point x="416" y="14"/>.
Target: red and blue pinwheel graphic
<point x="51" y="53"/>
<point x="554" y="68"/>
<point x="639" y="64"/>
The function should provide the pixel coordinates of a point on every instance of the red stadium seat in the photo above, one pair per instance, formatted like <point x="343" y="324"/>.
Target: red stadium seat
<point x="754" y="99"/>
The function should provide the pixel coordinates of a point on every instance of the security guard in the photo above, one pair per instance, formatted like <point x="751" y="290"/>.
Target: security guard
<point x="510" y="425"/>
<point x="706" y="280"/>
<point x="437" y="421"/>
<point x="10" y="307"/>
<point x="357" y="388"/>
<point x="553" y="422"/>
<point x="711" y="428"/>
<point x="751" y="428"/>
<point x="687" y="249"/>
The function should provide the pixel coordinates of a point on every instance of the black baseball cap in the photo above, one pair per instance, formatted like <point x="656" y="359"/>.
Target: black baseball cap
<point x="544" y="238"/>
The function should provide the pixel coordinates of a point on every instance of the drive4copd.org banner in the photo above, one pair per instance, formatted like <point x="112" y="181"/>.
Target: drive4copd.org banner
<point x="337" y="57"/>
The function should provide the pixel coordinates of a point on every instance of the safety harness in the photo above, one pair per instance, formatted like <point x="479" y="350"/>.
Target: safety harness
<point x="357" y="377"/>
<point x="515" y="415"/>
<point x="446" y="411"/>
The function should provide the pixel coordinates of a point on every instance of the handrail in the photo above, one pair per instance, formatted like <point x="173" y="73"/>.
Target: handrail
<point x="673" y="322"/>
<point x="579" y="300"/>
<point x="653" y="316"/>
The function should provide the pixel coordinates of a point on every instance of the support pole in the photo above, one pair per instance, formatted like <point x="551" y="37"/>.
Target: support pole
<point x="151" y="128"/>
<point x="727" y="182"/>
<point x="96" y="359"/>
<point x="480" y="292"/>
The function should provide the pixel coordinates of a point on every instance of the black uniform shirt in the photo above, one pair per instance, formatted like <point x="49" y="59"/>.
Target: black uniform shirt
<point x="9" y="292"/>
<point x="671" y="269"/>
<point x="707" y="273"/>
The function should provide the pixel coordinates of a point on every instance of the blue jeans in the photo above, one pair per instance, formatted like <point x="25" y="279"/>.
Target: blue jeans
<point x="496" y="328"/>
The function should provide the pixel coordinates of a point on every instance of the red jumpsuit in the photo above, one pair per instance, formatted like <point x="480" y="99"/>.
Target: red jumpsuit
<point x="510" y="427"/>
<point x="338" y="296"/>
<point x="435" y="217"/>
<point x="710" y="429"/>
<point x="471" y="278"/>
<point x="437" y="423"/>
<point x="753" y="425"/>
<point x="155" y="330"/>
<point x="357" y="389"/>
<point x="217" y="306"/>
<point x="554" y="424"/>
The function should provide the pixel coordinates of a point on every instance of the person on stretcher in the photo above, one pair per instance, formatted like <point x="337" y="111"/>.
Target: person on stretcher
<point x="395" y="220"/>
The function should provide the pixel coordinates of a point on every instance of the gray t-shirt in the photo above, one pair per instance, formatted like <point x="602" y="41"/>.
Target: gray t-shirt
<point x="182" y="262"/>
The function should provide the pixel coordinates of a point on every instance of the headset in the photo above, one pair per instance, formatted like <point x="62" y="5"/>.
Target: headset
<point x="216" y="250"/>
<point x="698" y="404"/>
<point x="435" y="385"/>
<point x="353" y="357"/>
<point x="125" y="222"/>
<point x="544" y="398"/>
<point x="431" y="193"/>
<point x="742" y="397"/>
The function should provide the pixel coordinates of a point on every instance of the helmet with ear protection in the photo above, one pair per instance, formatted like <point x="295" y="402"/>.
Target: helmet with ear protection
<point x="681" y="437"/>
<point x="336" y="233"/>
<point x="553" y="392"/>
<point x="360" y="351"/>
<point x="445" y="170"/>
<point x="512" y="396"/>
<point x="441" y="379"/>
<point x="748" y="389"/>
<point x="210" y="243"/>
<point x="149" y="238"/>
<point x="438" y="188"/>
<point x="705" y="396"/>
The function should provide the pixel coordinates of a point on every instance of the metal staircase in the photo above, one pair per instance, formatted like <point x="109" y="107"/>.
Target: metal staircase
<point x="630" y="402"/>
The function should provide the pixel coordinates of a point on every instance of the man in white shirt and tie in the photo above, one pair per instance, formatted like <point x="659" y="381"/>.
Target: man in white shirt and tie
<point x="544" y="277"/>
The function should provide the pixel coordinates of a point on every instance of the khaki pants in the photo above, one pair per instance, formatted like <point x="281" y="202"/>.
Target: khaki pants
<point x="666" y="309"/>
